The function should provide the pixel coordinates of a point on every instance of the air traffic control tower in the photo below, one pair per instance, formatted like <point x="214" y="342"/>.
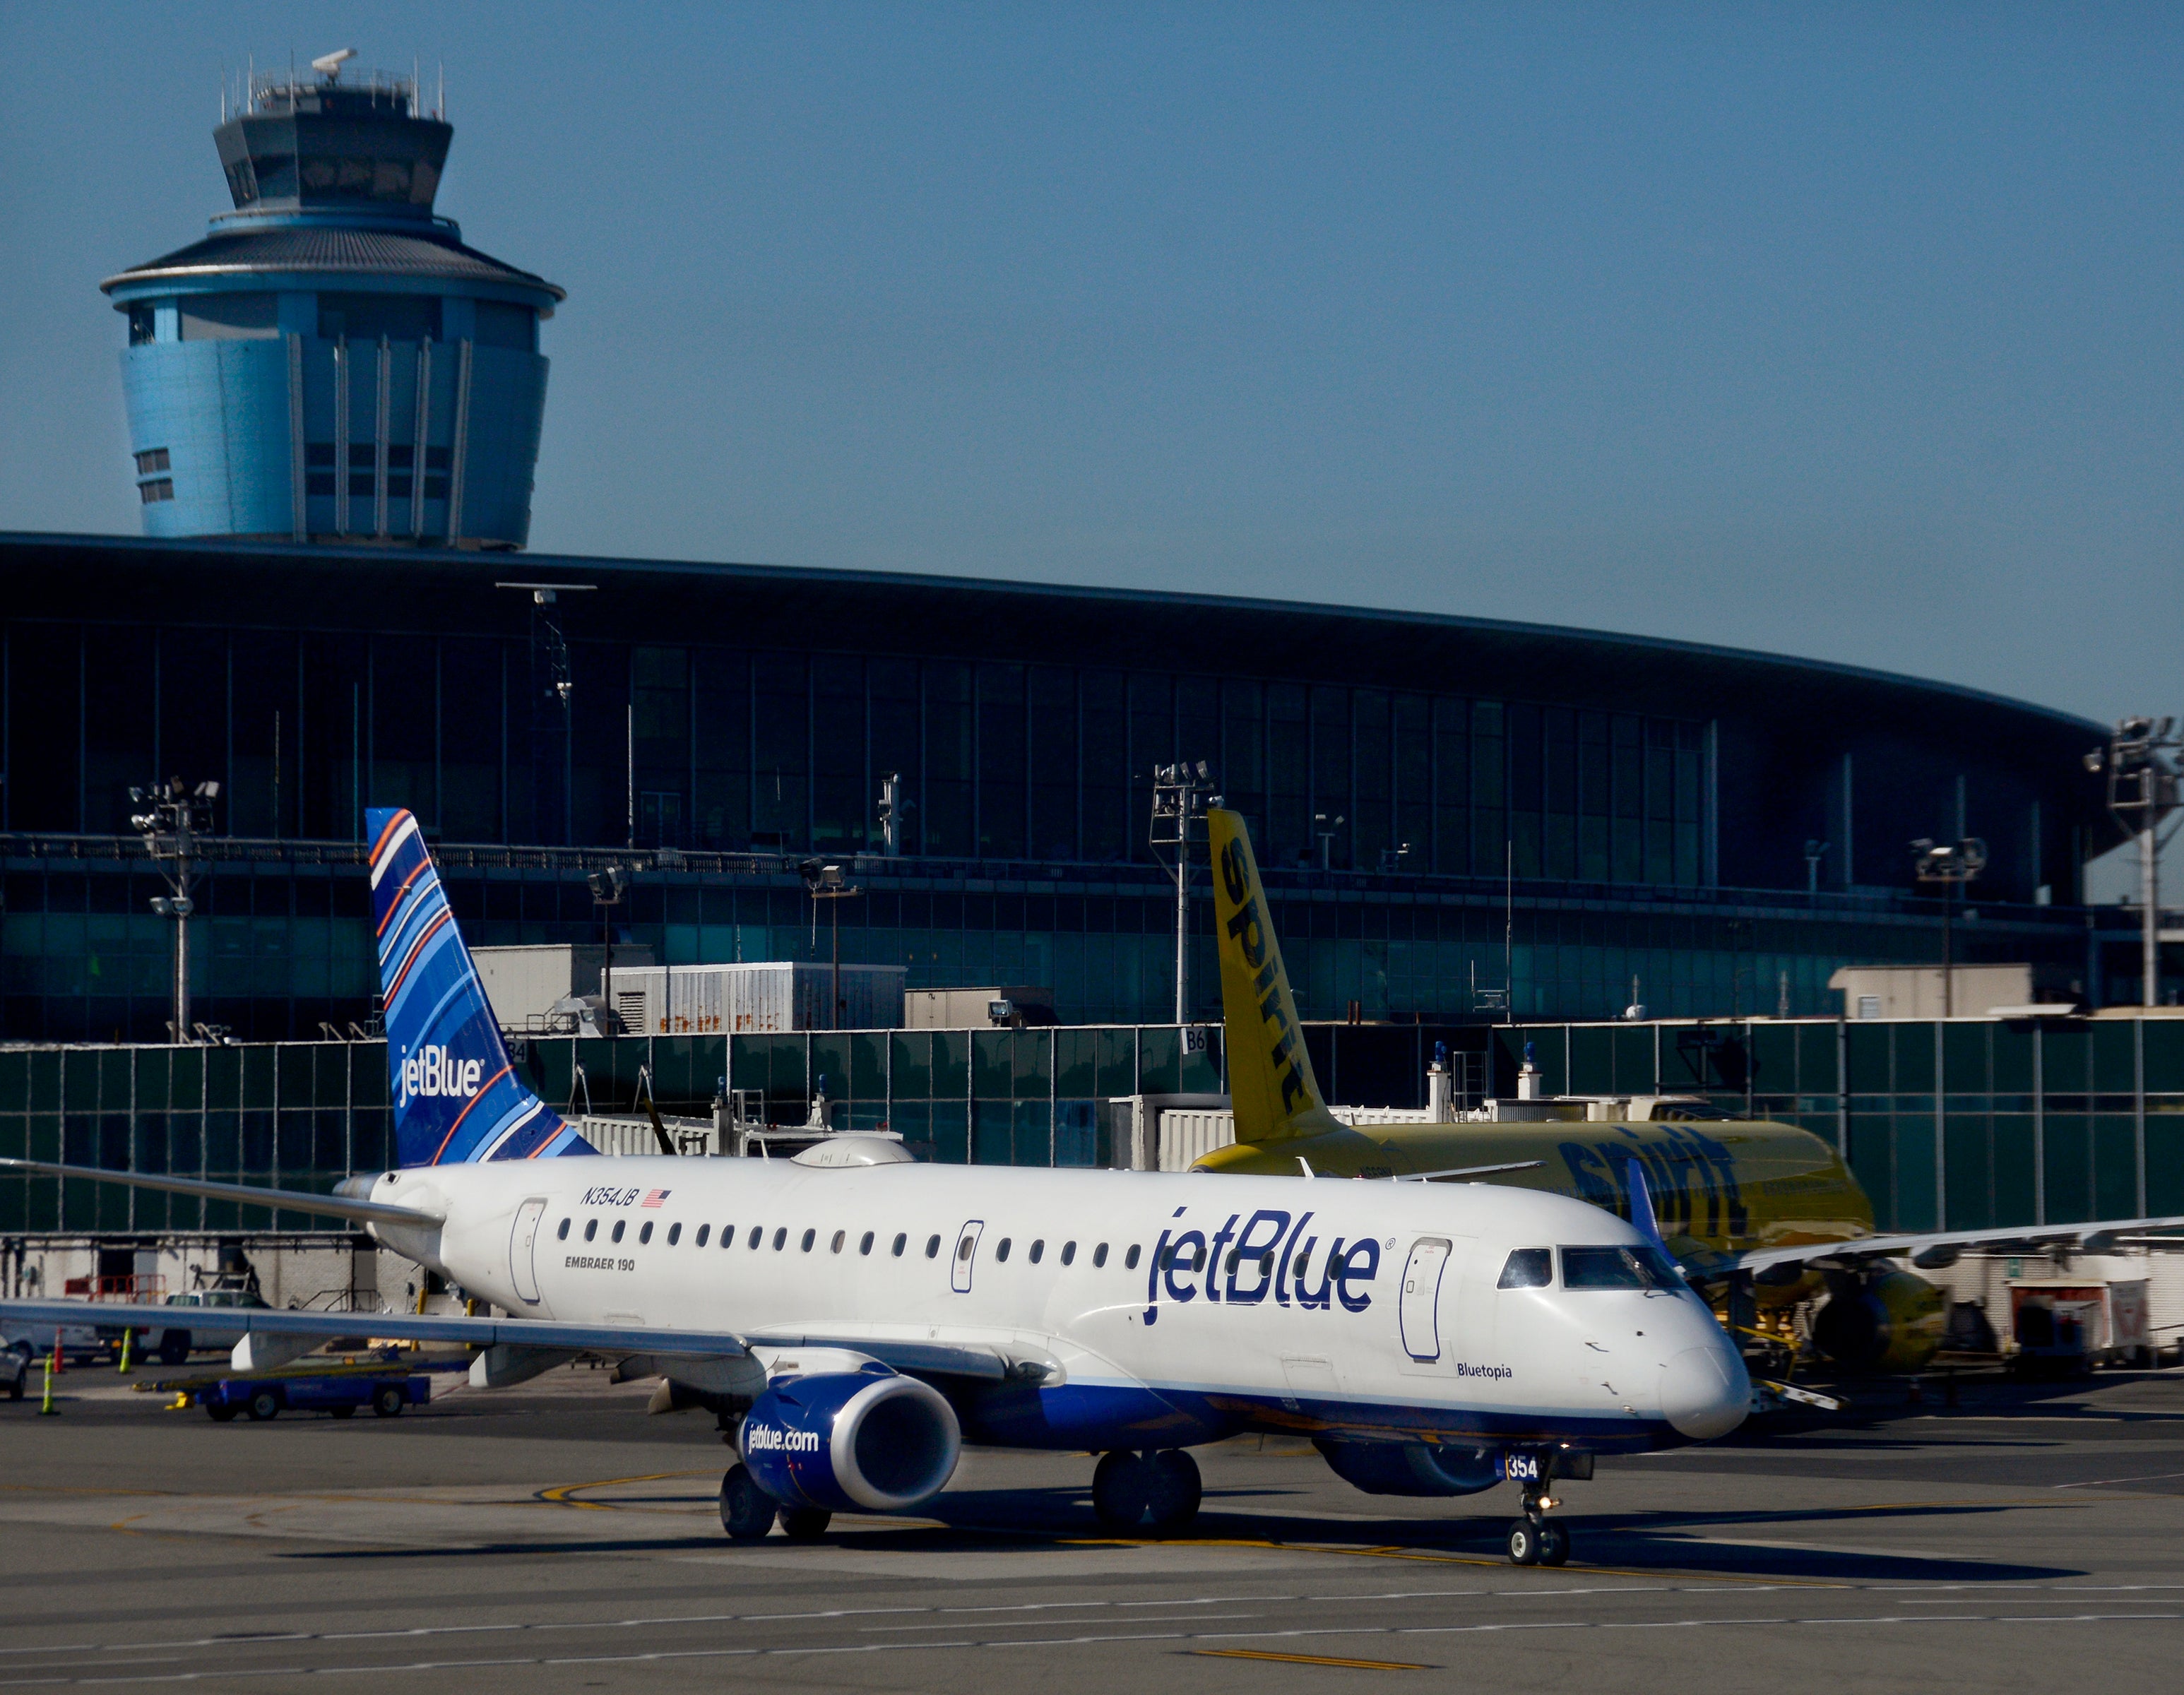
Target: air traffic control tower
<point x="331" y="362"/>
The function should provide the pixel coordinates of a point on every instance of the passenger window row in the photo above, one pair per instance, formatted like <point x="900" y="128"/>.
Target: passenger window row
<point x="1034" y="1254"/>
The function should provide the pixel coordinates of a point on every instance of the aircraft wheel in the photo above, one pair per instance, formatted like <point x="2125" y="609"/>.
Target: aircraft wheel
<point x="747" y="1511"/>
<point x="804" y="1523"/>
<point x="265" y="1405"/>
<point x="1175" y="1492"/>
<point x="1554" y="1543"/>
<point x="1122" y="1490"/>
<point x="1523" y="1542"/>
<point x="174" y="1348"/>
<point x="389" y="1399"/>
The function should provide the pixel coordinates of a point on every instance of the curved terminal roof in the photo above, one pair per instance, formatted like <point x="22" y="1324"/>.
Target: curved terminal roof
<point x="437" y="253"/>
<point x="876" y="611"/>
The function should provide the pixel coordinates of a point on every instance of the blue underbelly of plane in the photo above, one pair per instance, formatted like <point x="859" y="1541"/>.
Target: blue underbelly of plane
<point x="1096" y="1417"/>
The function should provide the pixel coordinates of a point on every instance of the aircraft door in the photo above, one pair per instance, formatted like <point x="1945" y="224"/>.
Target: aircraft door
<point x="1420" y="1304"/>
<point x="522" y="1270"/>
<point x="966" y="1255"/>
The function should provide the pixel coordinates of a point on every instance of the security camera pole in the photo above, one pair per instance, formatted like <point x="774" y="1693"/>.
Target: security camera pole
<point x="1179" y="798"/>
<point x="1949" y="864"/>
<point x="2141" y="766"/>
<point x="174" y="814"/>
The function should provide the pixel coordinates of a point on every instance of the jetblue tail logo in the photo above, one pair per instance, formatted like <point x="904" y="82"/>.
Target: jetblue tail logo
<point x="456" y="1094"/>
<point x="433" y="1073"/>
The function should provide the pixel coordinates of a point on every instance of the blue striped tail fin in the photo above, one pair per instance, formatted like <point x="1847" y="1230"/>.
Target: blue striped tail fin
<point x="456" y="1094"/>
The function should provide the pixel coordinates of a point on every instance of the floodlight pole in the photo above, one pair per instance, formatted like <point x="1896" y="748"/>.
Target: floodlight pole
<point x="607" y="886"/>
<point x="823" y="879"/>
<point x="174" y="813"/>
<point x="1179" y="797"/>
<point x="2141" y="764"/>
<point x="1951" y="864"/>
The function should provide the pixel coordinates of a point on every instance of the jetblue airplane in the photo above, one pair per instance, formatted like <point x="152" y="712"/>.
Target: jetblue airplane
<point x="856" y="1316"/>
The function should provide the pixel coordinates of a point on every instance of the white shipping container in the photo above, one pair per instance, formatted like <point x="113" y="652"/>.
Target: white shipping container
<point x="763" y="999"/>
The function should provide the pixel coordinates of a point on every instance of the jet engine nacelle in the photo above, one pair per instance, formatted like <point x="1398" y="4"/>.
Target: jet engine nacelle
<point x="861" y="1441"/>
<point x="1410" y="1467"/>
<point x="1893" y="1322"/>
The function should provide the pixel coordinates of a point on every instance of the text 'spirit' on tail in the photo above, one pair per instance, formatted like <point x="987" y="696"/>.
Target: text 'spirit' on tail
<point x="1270" y="1079"/>
<point x="456" y="1095"/>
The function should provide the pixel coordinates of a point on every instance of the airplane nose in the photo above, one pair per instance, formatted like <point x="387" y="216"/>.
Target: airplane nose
<point x="1705" y="1393"/>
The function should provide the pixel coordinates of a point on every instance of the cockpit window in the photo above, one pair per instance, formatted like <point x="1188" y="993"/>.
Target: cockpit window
<point x="1529" y="1267"/>
<point x="1618" y="1268"/>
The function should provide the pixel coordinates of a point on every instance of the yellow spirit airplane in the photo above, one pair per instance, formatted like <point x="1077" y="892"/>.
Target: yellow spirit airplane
<point x="1766" y="1211"/>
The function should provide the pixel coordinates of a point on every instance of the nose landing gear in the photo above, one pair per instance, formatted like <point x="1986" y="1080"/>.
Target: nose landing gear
<point x="1535" y="1539"/>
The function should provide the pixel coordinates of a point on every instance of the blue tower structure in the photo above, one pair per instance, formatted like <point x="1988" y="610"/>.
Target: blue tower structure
<point x="332" y="363"/>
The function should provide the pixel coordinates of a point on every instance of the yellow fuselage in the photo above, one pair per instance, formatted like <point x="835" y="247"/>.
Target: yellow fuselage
<point x="1723" y="1187"/>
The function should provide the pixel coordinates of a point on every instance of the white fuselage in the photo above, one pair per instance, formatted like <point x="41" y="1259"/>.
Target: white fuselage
<point x="1205" y="1305"/>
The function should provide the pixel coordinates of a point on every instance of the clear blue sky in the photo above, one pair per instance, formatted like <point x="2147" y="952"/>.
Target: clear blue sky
<point x="1839" y="331"/>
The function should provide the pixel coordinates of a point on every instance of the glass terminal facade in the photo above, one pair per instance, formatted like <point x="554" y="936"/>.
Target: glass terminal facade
<point x="1964" y="1124"/>
<point x="1444" y="810"/>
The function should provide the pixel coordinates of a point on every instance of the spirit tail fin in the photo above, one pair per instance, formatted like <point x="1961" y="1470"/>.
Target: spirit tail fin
<point x="456" y="1094"/>
<point x="1270" y="1079"/>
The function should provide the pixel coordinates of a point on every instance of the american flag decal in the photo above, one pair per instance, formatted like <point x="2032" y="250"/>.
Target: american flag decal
<point x="654" y="1198"/>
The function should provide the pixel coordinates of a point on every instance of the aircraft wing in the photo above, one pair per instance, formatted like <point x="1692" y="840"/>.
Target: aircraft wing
<point x="922" y="1358"/>
<point x="354" y="1207"/>
<point x="1932" y="1246"/>
<point x="427" y="1327"/>
<point x="923" y="1355"/>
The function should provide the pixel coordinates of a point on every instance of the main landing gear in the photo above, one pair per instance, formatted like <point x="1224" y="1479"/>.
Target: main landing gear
<point x="748" y="1512"/>
<point x="1535" y="1539"/>
<point x="1159" y="1491"/>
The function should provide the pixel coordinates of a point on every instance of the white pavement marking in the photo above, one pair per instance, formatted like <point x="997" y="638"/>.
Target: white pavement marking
<point x="660" y="1655"/>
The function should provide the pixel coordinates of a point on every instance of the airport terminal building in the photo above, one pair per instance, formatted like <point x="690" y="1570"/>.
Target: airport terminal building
<point x="1438" y="802"/>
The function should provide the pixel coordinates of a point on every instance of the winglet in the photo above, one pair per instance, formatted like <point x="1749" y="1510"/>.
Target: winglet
<point x="1641" y="1204"/>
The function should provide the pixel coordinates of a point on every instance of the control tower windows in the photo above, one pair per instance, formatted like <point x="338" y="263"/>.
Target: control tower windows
<point x="155" y="459"/>
<point x="159" y="489"/>
<point x="367" y="317"/>
<point x="229" y="317"/>
<point x="500" y="325"/>
<point x="143" y="325"/>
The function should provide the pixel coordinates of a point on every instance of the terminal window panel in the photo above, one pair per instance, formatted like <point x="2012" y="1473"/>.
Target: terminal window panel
<point x="1052" y="726"/>
<point x="720" y="748"/>
<point x="1105" y="806"/>
<point x="839" y="805"/>
<point x="781" y="751"/>
<point x="1003" y="771"/>
<point x="951" y="761"/>
<point x="1152" y="743"/>
<point x="897" y="740"/>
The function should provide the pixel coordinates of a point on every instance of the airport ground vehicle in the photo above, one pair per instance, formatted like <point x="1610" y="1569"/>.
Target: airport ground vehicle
<point x="15" y="1367"/>
<point x="856" y="1317"/>
<point x="338" y="1393"/>
<point x="209" y="1317"/>
<point x="1760" y="1213"/>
